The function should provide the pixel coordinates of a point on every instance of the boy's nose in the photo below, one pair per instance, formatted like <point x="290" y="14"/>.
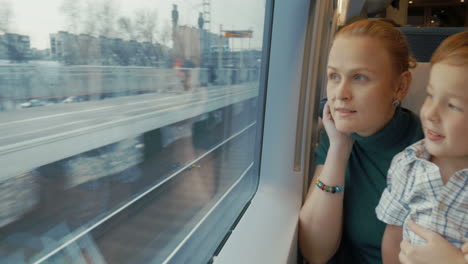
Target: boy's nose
<point x="431" y="113"/>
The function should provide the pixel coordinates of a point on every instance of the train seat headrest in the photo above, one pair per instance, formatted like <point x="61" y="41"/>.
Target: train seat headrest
<point x="417" y="93"/>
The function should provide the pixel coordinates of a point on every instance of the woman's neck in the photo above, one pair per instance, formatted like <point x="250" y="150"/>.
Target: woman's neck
<point x="387" y="119"/>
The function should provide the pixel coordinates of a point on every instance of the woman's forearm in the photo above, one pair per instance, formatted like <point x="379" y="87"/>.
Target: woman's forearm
<point x="391" y="240"/>
<point x="321" y="217"/>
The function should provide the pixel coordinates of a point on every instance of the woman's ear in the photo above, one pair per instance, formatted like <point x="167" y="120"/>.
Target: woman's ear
<point x="404" y="83"/>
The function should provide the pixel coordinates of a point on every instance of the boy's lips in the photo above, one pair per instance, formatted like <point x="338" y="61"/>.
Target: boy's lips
<point x="433" y="136"/>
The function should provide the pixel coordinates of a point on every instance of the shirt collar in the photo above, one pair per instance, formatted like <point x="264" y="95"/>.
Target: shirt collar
<point x="419" y="151"/>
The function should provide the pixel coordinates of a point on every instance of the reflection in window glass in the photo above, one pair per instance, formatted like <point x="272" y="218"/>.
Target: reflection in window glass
<point x="125" y="125"/>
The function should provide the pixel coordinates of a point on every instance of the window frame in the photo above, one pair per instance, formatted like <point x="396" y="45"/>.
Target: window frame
<point x="267" y="233"/>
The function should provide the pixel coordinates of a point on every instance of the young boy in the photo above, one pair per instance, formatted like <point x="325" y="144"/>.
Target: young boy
<point x="427" y="182"/>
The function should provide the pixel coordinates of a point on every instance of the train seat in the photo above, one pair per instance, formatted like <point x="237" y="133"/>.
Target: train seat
<point x="417" y="93"/>
<point x="424" y="41"/>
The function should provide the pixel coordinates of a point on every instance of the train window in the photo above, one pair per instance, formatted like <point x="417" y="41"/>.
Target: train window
<point x="130" y="128"/>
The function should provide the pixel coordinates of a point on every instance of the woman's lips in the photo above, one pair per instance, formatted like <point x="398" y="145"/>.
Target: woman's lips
<point x="344" y="112"/>
<point x="433" y="136"/>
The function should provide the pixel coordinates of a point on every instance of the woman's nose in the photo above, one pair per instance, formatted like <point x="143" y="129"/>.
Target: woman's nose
<point x="343" y="91"/>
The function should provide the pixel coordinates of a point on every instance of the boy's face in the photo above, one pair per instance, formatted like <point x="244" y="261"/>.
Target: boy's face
<point x="444" y="114"/>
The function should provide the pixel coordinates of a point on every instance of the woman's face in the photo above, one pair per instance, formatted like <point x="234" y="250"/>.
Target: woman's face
<point x="361" y="85"/>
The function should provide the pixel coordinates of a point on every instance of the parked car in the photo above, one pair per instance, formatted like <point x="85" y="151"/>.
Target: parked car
<point x="32" y="103"/>
<point x="71" y="99"/>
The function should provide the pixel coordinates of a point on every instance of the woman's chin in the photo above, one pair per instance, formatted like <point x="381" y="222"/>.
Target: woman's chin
<point x="344" y="128"/>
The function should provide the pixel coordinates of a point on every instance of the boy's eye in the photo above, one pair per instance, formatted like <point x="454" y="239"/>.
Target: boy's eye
<point x="360" y="77"/>
<point x="454" y="107"/>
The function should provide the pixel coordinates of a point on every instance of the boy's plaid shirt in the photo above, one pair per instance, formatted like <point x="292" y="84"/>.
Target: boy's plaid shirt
<point x="415" y="191"/>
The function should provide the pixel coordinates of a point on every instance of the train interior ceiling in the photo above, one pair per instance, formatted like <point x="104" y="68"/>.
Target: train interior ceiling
<point x="188" y="140"/>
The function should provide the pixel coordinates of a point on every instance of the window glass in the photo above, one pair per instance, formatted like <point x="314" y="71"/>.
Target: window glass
<point x="127" y="126"/>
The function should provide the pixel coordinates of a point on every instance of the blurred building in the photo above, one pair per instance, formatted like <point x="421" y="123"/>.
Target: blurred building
<point x="199" y="46"/>
<point x="187" y="44"/>
<point x="83" y="49"/>
<point x="15" y="47"/>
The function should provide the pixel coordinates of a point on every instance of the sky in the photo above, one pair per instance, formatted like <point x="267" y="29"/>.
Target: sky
<point x="39" y="18"/>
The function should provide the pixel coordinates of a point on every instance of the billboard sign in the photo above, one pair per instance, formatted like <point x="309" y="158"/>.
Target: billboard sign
<point x="238" y="33"/>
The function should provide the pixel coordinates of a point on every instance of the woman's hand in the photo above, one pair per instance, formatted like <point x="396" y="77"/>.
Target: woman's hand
<point x="336" y="137"/>
<point x="437" y="250"/>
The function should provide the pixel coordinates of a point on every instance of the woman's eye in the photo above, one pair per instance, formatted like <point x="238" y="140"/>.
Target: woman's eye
<point x="428" y="95"/>
<point x="360" y="77"/>
<point x="333" y="76"/>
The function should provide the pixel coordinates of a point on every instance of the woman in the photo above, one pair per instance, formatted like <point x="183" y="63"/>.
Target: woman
<point x="365" y="127"/>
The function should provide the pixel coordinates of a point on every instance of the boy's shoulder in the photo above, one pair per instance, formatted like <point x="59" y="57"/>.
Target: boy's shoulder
<point x="411" y="154"/>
